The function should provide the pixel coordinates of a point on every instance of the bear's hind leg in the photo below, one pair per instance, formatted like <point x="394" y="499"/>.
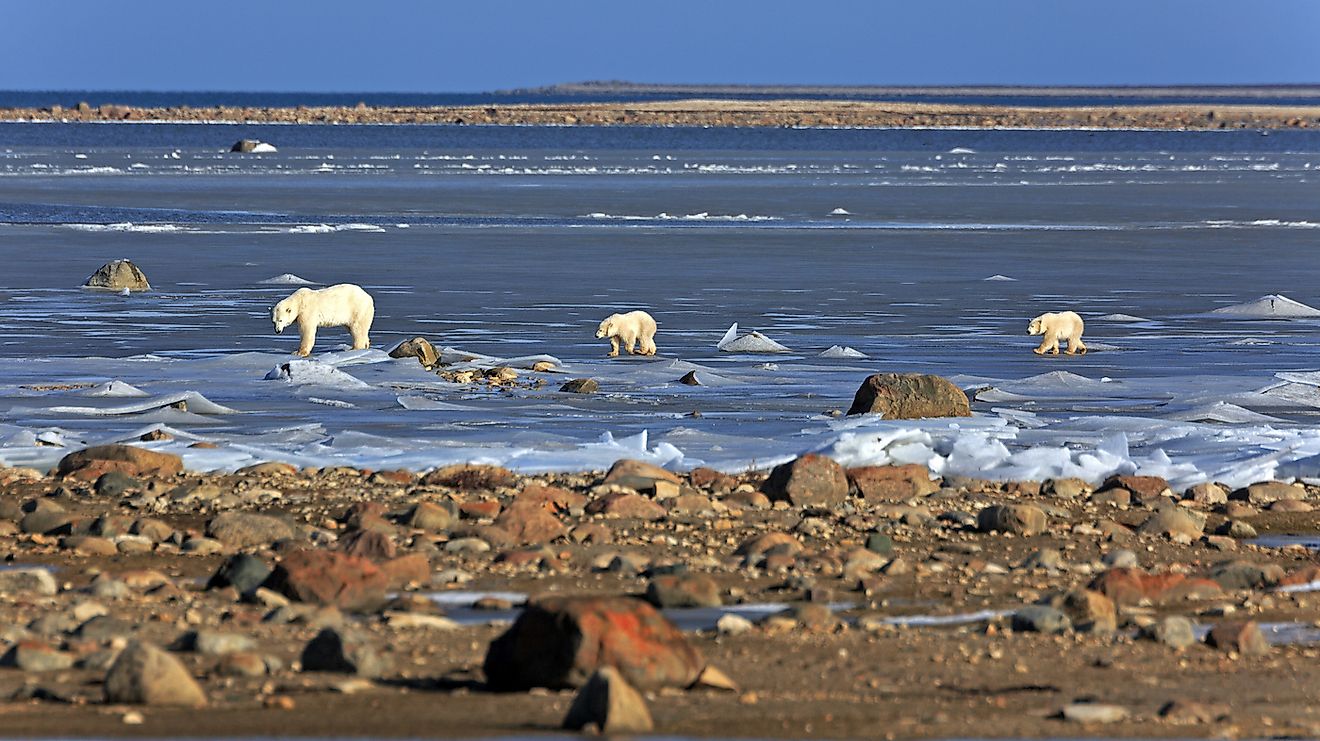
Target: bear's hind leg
<point x="1075" y="346"/>
<point x="360" y="339"/>
<point x="648" y="346"/>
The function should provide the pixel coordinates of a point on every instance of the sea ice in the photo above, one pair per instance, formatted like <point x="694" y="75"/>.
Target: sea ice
<point x="316" y="373"/>
<point x="840" y="351"/>
<point x="1273" y="306"/>
<point x="840" y="212"/>
<point x="998" y="277"/>
<point x="752" y="343"/>
<point x="286" y="279"/>
<point x="115" y="388"/>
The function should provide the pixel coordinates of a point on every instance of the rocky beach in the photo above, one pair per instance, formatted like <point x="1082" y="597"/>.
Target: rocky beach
<point x="141" y="599"/>
<point x="716" y="112"/>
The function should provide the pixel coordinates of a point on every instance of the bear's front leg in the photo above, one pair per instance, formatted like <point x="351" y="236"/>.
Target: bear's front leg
<point x="308" y="339"/>
<point x="614" y="348"/>
<point x="632" y="346"/>
<point x="1044" y="346"/>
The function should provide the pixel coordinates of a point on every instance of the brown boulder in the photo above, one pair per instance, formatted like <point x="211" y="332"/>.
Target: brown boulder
<point x="1129" y="586"/>
<point x="117" y="276"/>
<point x="610" y="704"/>
<point x="468" y="477"/>
<point x="417" y="347"/>
<point x="638" y="475"/>
<point x="89" y="464"/>
<point x="1244" y="638"/>
<point x="1020" y="519"/>
<point x="328" y="578"/>
<point x="712" y="480"/>
<point x="559" y="642"/>
<point x="552" y="498"/>
<point x="370" y="544"/>
<point x="891" y="483"/>
<point x="683" y="590"/>
<point x="143" y="674"/>
<point x="812" y="479"/>
<point x="910" y="396"/>
<point x="1145" y="488"/>
<point x="628" y="506"/>
<point x="529" y="523"/>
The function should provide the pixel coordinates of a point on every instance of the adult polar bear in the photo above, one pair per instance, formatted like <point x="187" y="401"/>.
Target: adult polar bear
<point x="343" y="305"/>
<point x="1058" y="326"/>
<point x="630" y="329"/>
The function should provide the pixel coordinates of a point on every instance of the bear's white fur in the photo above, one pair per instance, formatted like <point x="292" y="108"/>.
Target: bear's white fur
<point x="1058" y="326"/>
<point x="630" y="329"/>
<point x="343" y="305"/>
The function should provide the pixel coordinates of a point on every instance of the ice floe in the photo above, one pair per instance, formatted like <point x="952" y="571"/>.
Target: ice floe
<point x="998" y="277"/>
<point x="286" y="279"/>
<point x="840" y="351"/>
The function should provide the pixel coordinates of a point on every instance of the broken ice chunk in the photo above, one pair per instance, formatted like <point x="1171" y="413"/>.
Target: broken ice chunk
<point x="841" y="351"/>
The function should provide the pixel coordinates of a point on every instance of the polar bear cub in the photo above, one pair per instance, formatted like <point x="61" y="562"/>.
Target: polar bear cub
<point x="343" y="305"/>
<point x="630" y="329"/>
<point x="1063" y="325"/>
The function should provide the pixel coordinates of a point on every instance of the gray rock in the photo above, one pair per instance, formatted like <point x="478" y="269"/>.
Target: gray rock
<point x="1020" y="519"/>
<point x="1120" y="558"/>
<point x="143" y="674"/>
<point x="1175" y="631"/>
<point x="245" y="529"/>
<point x="117" y="276"/>
<point x="1174" y="521"/>
<point x="1040" y="619"/>
<point x="581" y="386"/>
<point x="36" y="657"/>
<point x="334" y="650"/>
<point x="28" y="581"/>
<point x="216" y="643"/>
<point x="609" y="703"/>
<point x="242" y="572"/>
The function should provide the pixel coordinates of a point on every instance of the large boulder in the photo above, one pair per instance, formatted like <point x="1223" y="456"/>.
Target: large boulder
<point x="118" y="275"/>
<point x="144" y="674"/>
<point x="639" y="475"/>
<point x="328" y="578"/>
<point x="607" y="702"/>
<point x="811" y="480"/>
<point x="252" y="146"/>
<point x="89" y="464"/>
<point x="892" y="483"/>
<point x="417" y="347"/>
<point x="910" y="396"/>
<point x="247" y="529"/>
<point x="344" y="651"/>
<point x="1019" y="519"/>
<point x="559" y="642"/>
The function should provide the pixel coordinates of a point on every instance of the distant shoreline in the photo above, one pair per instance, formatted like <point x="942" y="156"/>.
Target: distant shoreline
<point x="718" y="113"/>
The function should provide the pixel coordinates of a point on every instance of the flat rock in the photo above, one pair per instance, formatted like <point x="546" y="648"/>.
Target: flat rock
<point x="1094" y="712"/>
<point x="90" y="463"/>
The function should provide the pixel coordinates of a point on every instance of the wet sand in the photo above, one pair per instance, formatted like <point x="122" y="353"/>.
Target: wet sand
<point x="738" y="113"/>
<point x="849" y="673"/>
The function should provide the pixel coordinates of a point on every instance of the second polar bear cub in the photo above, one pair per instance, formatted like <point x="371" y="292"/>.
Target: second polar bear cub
<point x="1062" y="325"/>
<point x="343" y="305"/>
<point x="631" y="329"/>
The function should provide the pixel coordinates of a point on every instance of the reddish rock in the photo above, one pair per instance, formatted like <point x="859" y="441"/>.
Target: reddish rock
<point x="368" y="544"/>
<point x="413" y="568"/>
<point x="691" y="504"/>
<point x="910" y="396"/>
<point x="638" y="475"/>
<point x="470" y="477"/>
<point x="747" y="500"/>
<point x="891" y="483"/>
<point x="529" y="522"/>
<point x="559" y="642"/>
<point x="552" y="498"/>
<point x="89" y="464"/>
<point x="767" y="543"/>
<point x="1242" y="637"/>
<point x="1020" y="519"/>
<point x="398" y="476"/>
<point x="811" y="480"/>
<point x="483" y="510"/>
<point x="712" y="480"/>
<point x="359" y="512"/>
<point x="1132" y="586"/>
<point x="330" y="578"/>
<point x="628" y="506"/>
<point x="591" y="532"/>
<point x="1143" y="487"/>
<point x="1304" y="575"/>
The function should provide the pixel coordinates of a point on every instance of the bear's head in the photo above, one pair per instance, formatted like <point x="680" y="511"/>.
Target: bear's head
<point x="606" y="327"/>
<point x="1037" y="325"/>
<point x="286" y="311"/>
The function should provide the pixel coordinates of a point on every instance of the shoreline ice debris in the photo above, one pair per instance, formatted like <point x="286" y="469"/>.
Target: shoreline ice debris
<point x="751" y="343"/>
<point x="286" y="279"/>
<point x="189" y="401"/>
<point x="1272" y="306"/>
<point x="315" y="373"/>
<point x="841" y="212"/>
<point x="841" y="351"/>
<point x="997" y="277"/>
<point x="115" y="388"/>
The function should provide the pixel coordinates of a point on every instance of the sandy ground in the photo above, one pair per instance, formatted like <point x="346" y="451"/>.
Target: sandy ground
<point x="855" y="678"/>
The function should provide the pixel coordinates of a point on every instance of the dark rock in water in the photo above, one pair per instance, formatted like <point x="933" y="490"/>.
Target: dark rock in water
<point x="242" y="572"/>
<point x="690" y="379"/>
<point x="1040" y="619"/>
<point x="248" y="146"/>
<point x="559" y="642"/>
<point x="609" y="703"/>
<point x="910" y="396"/>
<point x="417" y="347"/>
<point x="118" y="275"/>
<point x="342" y="651"/>
<point x="811" y="479"/>
<point x="146" y="675"/>
<point x="581" y="386"/>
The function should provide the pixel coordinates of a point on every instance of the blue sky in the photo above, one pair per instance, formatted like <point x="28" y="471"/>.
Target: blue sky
<point x="414" y="45"/>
